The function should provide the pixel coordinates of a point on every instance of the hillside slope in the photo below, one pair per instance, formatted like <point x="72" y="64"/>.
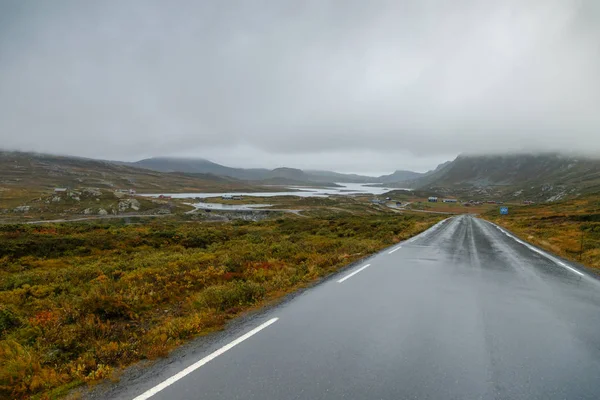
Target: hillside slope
<point x="283" y="175"/>
<point x="200" y="165"/>
<point x="399" y="176"/>
<point x="40" y="172"/>
<point x="537" y="176"/>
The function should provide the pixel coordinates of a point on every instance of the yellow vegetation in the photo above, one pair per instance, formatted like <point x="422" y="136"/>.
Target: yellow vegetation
<point x="79" y="301"/>
<point x="570" y="229"/>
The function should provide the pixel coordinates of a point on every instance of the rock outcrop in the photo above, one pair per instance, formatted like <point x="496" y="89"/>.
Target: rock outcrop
<point x="127" y="204"/>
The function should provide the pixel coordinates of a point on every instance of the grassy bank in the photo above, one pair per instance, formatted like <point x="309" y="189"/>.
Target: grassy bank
<point x="79" y="301"/>
<point x="570" y="229"/>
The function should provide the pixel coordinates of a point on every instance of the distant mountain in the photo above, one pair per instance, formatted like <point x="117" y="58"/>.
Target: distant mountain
<point x="539" y="176"/>
<point x="35" y="171"/>
<point x="344" y="178"/>
<point x="284" y="175"/>
<point x="200" y="165"/>
<point x="399" y="176"/>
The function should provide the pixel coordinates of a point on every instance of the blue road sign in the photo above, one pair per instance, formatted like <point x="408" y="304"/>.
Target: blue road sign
<point x="503" y="210"/>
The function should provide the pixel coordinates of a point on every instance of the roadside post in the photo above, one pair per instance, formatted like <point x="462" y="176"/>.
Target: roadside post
<point x="503" y="210"/>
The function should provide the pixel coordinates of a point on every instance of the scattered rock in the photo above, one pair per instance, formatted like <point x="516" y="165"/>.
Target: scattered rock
<point x="56" y="199"/>
<point x="135" y="205"/>
<point x="164" y="211"/>
<point x="102" y="211"/>
<point x="92" y="192"/>
<point x="556" y="197"/>
<point x="22" y="209"/>
<point x="87" y="211"/>
<point x="124" y="205"/>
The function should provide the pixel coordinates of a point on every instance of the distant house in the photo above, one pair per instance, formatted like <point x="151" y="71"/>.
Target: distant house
<point x="432" y="199"/>
<point x="450" y="201"/>
<point x="132" y="191"/>
<point x="162" y="196"/>
<point x="60" y="190"/>
<point x="227" y="197"/>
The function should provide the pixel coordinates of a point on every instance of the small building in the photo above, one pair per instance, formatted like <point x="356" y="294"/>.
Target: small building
<point x="237" y="197"/>
<point x="450" y="201"/>
<point x="60" y="190"/>
<point x="132" y="191"/>
<point x="227" y="197"/>
<point x="432" y="199"/>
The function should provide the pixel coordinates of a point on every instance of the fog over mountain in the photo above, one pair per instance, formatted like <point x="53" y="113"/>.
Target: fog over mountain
<point x="346" y="85"/>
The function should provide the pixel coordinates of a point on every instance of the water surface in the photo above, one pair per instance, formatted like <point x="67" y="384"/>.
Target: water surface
<point x="301" y="191"/>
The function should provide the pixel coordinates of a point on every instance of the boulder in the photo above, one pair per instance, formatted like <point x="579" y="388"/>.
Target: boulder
<point x="102" y="211"/>
<point x="135" y="205"/>
<point x="124" y="205"/>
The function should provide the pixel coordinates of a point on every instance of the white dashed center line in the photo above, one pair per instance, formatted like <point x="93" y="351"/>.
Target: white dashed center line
<point x="353" y="273"/>
<point x="151" y="392"/>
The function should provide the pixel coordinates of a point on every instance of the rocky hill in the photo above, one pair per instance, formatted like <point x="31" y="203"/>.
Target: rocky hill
<point x="41" y="172"/>
<point x="540" y="177"/>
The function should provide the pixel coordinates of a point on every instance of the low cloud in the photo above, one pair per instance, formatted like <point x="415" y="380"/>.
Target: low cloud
<point x="383" y="84"/>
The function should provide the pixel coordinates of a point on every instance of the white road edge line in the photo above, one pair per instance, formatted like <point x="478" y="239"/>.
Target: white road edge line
<point x="542" y="253"/>
<point x="151" y="392"/>
<point x="397" y="248"/>
<point x="352" y="274"/>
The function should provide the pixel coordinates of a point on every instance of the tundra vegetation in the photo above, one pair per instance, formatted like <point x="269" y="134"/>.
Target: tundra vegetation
<point x="79" y="301"/>
<point x="570" y="228"/>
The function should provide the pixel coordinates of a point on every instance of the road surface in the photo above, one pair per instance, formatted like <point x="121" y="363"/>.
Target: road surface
<point x="463" y="311"/>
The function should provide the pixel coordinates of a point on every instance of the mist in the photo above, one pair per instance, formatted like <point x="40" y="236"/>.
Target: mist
<point x="353" y="86"/>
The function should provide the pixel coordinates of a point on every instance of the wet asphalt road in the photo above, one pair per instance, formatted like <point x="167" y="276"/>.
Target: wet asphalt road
<point x="461" y="312"/>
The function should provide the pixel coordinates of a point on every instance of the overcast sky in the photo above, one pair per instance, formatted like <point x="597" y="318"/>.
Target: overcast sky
<point x="351" y="85"/>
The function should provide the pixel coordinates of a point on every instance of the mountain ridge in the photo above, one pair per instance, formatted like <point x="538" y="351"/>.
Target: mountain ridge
<point x="172" y="164"/>
<point x="540" y="176"/>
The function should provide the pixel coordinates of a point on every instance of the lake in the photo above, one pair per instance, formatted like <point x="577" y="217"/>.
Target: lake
<point x="301" y="191"/>
<point x="228" y="207"/>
